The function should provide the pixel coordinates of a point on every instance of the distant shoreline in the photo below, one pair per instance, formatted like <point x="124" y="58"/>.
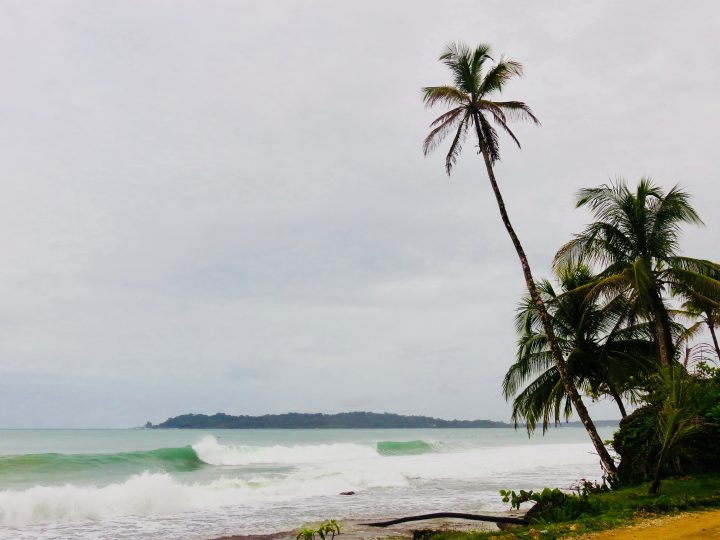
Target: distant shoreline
<point x="349" y="420"/>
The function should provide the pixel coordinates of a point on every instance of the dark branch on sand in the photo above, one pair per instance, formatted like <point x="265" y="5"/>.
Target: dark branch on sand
<point x="455" y="515"/>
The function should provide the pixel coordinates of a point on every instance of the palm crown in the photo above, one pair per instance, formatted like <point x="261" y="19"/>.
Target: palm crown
<point x="634" y="239"/>
<point x="468" y="99"/>
<point x="629" y="226"/>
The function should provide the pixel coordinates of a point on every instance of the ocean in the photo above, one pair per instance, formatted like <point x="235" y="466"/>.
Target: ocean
<point x="202" y="484"/>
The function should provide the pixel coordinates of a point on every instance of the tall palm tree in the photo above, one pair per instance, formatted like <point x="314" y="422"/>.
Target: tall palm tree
<point x="635" y="240"/>
<point x="605" y="355"/>
<point x="470" y="106"/>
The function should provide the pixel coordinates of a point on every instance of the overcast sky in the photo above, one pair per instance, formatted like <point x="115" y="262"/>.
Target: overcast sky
<point x="223" y="205"/>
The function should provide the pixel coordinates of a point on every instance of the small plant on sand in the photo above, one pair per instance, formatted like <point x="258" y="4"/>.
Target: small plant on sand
<point x="329" y="528"/>
<point x="306" y="533"/>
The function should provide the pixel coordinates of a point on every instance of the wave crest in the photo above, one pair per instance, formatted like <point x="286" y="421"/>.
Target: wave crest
<point x="15" y="468"/>
<point x="210" y="451"/>
<point x="404" y="448"/>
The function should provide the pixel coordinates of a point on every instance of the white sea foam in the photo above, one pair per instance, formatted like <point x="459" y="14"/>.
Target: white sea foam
<point x="318" y="470"/>
<point x="150" y="494"/>
<point x="142" y="494"/>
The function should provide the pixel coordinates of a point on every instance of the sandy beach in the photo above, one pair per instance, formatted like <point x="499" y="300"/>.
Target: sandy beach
<point x="353" y="530"/>
<point x="690" y="526"/>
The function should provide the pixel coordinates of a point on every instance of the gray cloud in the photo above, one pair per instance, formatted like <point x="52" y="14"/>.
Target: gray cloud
<point x="223" y="205"/>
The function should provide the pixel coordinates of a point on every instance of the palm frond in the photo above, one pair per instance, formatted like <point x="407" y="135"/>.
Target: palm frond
<point x="517" y="111"/>
<point x="448" y="95"/>
<point x="672" y="210"/>
<point x="443" y="125"/>
<point x="500" y="119"/>
<point x="487" y="137"/>
<point x="456" y="146"/>
<point x="498" y="75"/>
<point x="465" y="64"/>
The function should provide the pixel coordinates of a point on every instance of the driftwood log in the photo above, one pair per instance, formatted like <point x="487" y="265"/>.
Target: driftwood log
<point x="455" y="515"/>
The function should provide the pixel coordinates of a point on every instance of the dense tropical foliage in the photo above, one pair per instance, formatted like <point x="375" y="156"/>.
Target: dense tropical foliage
<point x="603" y="356"/>
<point x="627" y="302"/>
<point x="634" y="240"/>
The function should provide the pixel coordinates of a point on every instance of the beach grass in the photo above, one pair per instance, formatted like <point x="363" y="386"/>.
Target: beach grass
<point x="621" y="507"/>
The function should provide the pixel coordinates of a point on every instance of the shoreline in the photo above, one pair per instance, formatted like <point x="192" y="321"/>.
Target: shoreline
<point x="698" y="525"/>
<point x="353" y="529"/>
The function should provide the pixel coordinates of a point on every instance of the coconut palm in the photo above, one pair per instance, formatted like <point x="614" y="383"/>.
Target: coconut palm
<point x="635" y="240"/>
<point x="604" y="354"/>
<point x="474" y="82"/>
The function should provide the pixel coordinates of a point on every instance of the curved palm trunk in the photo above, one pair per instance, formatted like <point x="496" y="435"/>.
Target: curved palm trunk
<point x="582" y="412"/>
<point x="714" y="337"/>
<point x="618" y="400"/>
<point x="655" y="485"/>
<point x="663" y="336"/>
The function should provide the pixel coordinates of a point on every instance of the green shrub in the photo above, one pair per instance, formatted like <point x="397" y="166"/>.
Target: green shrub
<point x="553" y="505"/>
<point x="328" y="529"/>
<point x="638" y="446"/>
<point x="637" y="442"/>
<point x="306" y="533"/>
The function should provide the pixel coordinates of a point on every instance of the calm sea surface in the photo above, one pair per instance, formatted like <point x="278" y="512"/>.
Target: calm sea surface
<point x="200" y="484"/>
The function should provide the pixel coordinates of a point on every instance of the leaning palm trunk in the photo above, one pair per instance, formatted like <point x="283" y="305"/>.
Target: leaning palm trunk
<point x="714" y="338"/>
<point x="618" y="400"/>
<point x="663" y="336"/>
<point x="469" y="99"/>
<point x="657" y="475"/>
<point x="607" y="462"/>
<point x="664" y="348"/>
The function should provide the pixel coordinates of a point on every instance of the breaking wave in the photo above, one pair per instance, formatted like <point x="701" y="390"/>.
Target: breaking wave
<point x="209" y="476"/>
<point x="404" y="448"/>
<point x="210" y="451"/>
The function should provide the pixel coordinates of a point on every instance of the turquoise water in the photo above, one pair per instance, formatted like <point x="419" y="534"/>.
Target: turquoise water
<point x="201" y="484"/>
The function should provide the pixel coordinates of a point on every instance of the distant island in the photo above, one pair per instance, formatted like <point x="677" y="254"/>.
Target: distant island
<point x="349" y="420"/>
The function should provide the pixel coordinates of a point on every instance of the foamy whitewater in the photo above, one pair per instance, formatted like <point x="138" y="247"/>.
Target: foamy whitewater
<point x="198" y="484"/>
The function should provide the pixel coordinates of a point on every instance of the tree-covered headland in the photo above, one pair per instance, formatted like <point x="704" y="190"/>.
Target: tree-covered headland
<point x="349" y="420"/>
